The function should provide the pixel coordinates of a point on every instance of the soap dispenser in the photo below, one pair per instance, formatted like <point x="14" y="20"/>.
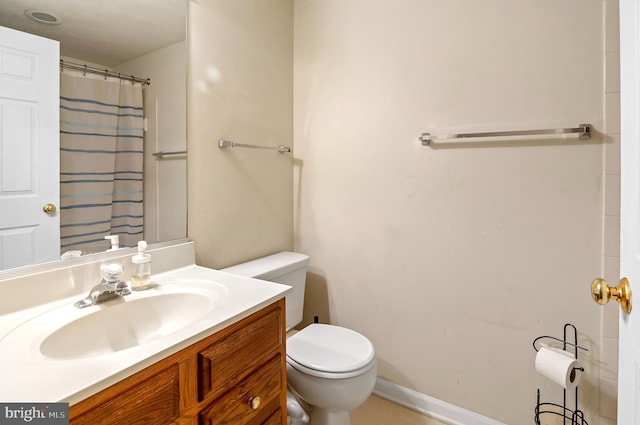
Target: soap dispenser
<point x="115" y="242"/>
<point x="141" y="277"/>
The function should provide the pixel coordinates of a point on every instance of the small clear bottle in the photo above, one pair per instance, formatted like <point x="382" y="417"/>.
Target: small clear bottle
<point x="141" y="277"/>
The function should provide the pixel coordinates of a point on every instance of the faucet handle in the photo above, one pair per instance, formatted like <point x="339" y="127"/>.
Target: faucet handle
<point x="111" y="272"/>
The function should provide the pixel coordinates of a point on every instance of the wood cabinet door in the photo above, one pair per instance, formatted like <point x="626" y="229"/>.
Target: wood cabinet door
<point x="154" y="401"/>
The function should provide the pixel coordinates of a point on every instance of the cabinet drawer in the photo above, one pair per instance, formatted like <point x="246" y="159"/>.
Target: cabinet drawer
<point x="154" y="401"/>
<point x="234" y="408"/>
<point x="275" y="419"/>
<point x="233" y="357"/>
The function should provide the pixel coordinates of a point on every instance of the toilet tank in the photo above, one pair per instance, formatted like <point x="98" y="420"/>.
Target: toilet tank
<point x="288" y="268"/>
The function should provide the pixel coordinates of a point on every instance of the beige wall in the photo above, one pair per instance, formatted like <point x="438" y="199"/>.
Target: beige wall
<point x="239" y="89"/>
<point x="165" y="183"/>
<point x="452" y="259"/>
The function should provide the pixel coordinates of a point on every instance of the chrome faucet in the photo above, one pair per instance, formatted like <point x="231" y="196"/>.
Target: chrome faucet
<point x="110" y="287"/>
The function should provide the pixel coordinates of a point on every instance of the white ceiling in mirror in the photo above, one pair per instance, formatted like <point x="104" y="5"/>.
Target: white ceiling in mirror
<point x="88" y="27"/>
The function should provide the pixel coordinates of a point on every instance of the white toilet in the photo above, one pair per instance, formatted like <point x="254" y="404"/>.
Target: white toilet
<point x="330" y="368"/>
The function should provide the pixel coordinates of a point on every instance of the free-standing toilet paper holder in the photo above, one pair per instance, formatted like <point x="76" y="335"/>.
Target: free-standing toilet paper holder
<point x="576" y="416"/>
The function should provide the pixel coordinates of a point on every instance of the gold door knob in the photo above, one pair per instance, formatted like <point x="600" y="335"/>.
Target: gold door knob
<point x="49" y="208"/>
<point x="254" y="402"/>
<point x="602" y="293"/>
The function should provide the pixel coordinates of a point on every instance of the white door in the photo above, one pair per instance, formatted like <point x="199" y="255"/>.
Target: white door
<point x="629" y="357"/>
<point x="29" y="148"/>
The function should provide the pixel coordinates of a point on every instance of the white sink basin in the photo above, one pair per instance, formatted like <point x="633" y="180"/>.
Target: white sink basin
<point x="68" y="333"/>
<point x="57" y="352"/>
<point x="124" y="324"/>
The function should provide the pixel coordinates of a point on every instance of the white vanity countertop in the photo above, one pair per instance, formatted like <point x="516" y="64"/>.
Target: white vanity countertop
<point x="29" y="376"/>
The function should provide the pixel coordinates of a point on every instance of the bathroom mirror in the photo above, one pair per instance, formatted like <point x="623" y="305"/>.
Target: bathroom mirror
<point x="145" y="38"/>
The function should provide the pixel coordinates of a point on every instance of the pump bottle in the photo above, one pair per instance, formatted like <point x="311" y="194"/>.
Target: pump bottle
<point x="115" y="242"/>
<point x="141" y="277"/>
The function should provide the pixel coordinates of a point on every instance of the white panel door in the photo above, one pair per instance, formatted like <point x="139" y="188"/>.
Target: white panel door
<point x="29" y="148"/>
<point x="629" y="357"/>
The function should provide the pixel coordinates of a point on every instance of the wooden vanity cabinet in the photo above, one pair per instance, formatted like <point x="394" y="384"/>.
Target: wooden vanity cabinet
<point x="236" y="376"/>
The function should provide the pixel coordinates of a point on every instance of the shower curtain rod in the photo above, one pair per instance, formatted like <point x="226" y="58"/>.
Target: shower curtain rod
<point x="104" y="72"/>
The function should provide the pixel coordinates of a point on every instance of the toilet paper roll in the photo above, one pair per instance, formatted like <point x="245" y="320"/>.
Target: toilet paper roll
<point x="559" y="366"/>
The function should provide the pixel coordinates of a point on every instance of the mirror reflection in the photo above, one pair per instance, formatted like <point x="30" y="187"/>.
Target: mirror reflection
<point x="121" y="174"/>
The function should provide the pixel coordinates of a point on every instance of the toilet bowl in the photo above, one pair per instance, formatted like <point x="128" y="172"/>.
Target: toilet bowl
<point x="330" y="369"/>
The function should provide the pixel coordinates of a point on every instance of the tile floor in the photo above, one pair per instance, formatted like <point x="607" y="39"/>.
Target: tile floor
<point x="378" y="411"/>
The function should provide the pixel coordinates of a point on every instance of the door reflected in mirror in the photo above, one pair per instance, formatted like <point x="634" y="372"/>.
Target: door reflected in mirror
<point x="119" y="181"/>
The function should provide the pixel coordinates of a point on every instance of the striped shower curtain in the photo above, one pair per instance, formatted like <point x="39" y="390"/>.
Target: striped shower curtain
<point x="101" y="157"/>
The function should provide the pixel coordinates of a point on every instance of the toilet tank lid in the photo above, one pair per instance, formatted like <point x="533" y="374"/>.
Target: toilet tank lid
<point x="329" y="348"/>
<point x="271" y="266"/>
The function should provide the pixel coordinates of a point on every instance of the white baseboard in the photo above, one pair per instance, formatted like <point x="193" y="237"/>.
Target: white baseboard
<point x="438" y="409"/>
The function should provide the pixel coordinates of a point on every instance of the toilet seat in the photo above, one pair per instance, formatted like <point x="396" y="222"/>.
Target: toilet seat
<point x="330" y="375"/>
<point x="330" y="352"/>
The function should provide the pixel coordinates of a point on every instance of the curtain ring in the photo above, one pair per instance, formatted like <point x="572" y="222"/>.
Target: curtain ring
<point x="84" y="74"/>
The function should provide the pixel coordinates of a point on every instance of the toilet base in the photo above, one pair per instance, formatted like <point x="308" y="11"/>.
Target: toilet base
<point x="329" y="417"/>
<point x="296" y="414"/>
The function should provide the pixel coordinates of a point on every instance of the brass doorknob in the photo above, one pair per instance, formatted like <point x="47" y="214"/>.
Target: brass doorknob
<point x="49" y="208"/>
<point x="254" y="402"/>
<point x="602" y="293"/>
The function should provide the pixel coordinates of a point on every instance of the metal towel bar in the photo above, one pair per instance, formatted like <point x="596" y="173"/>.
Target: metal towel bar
<point x="584" y="131"/>
<point x="230" y="144"/>
<point x="161" y="154"/>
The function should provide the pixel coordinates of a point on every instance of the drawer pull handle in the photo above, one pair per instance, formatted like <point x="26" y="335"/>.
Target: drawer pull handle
<point x="254" y="402"/>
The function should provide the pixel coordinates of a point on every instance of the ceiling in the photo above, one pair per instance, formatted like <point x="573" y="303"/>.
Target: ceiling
<point x="102" y="32"/>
